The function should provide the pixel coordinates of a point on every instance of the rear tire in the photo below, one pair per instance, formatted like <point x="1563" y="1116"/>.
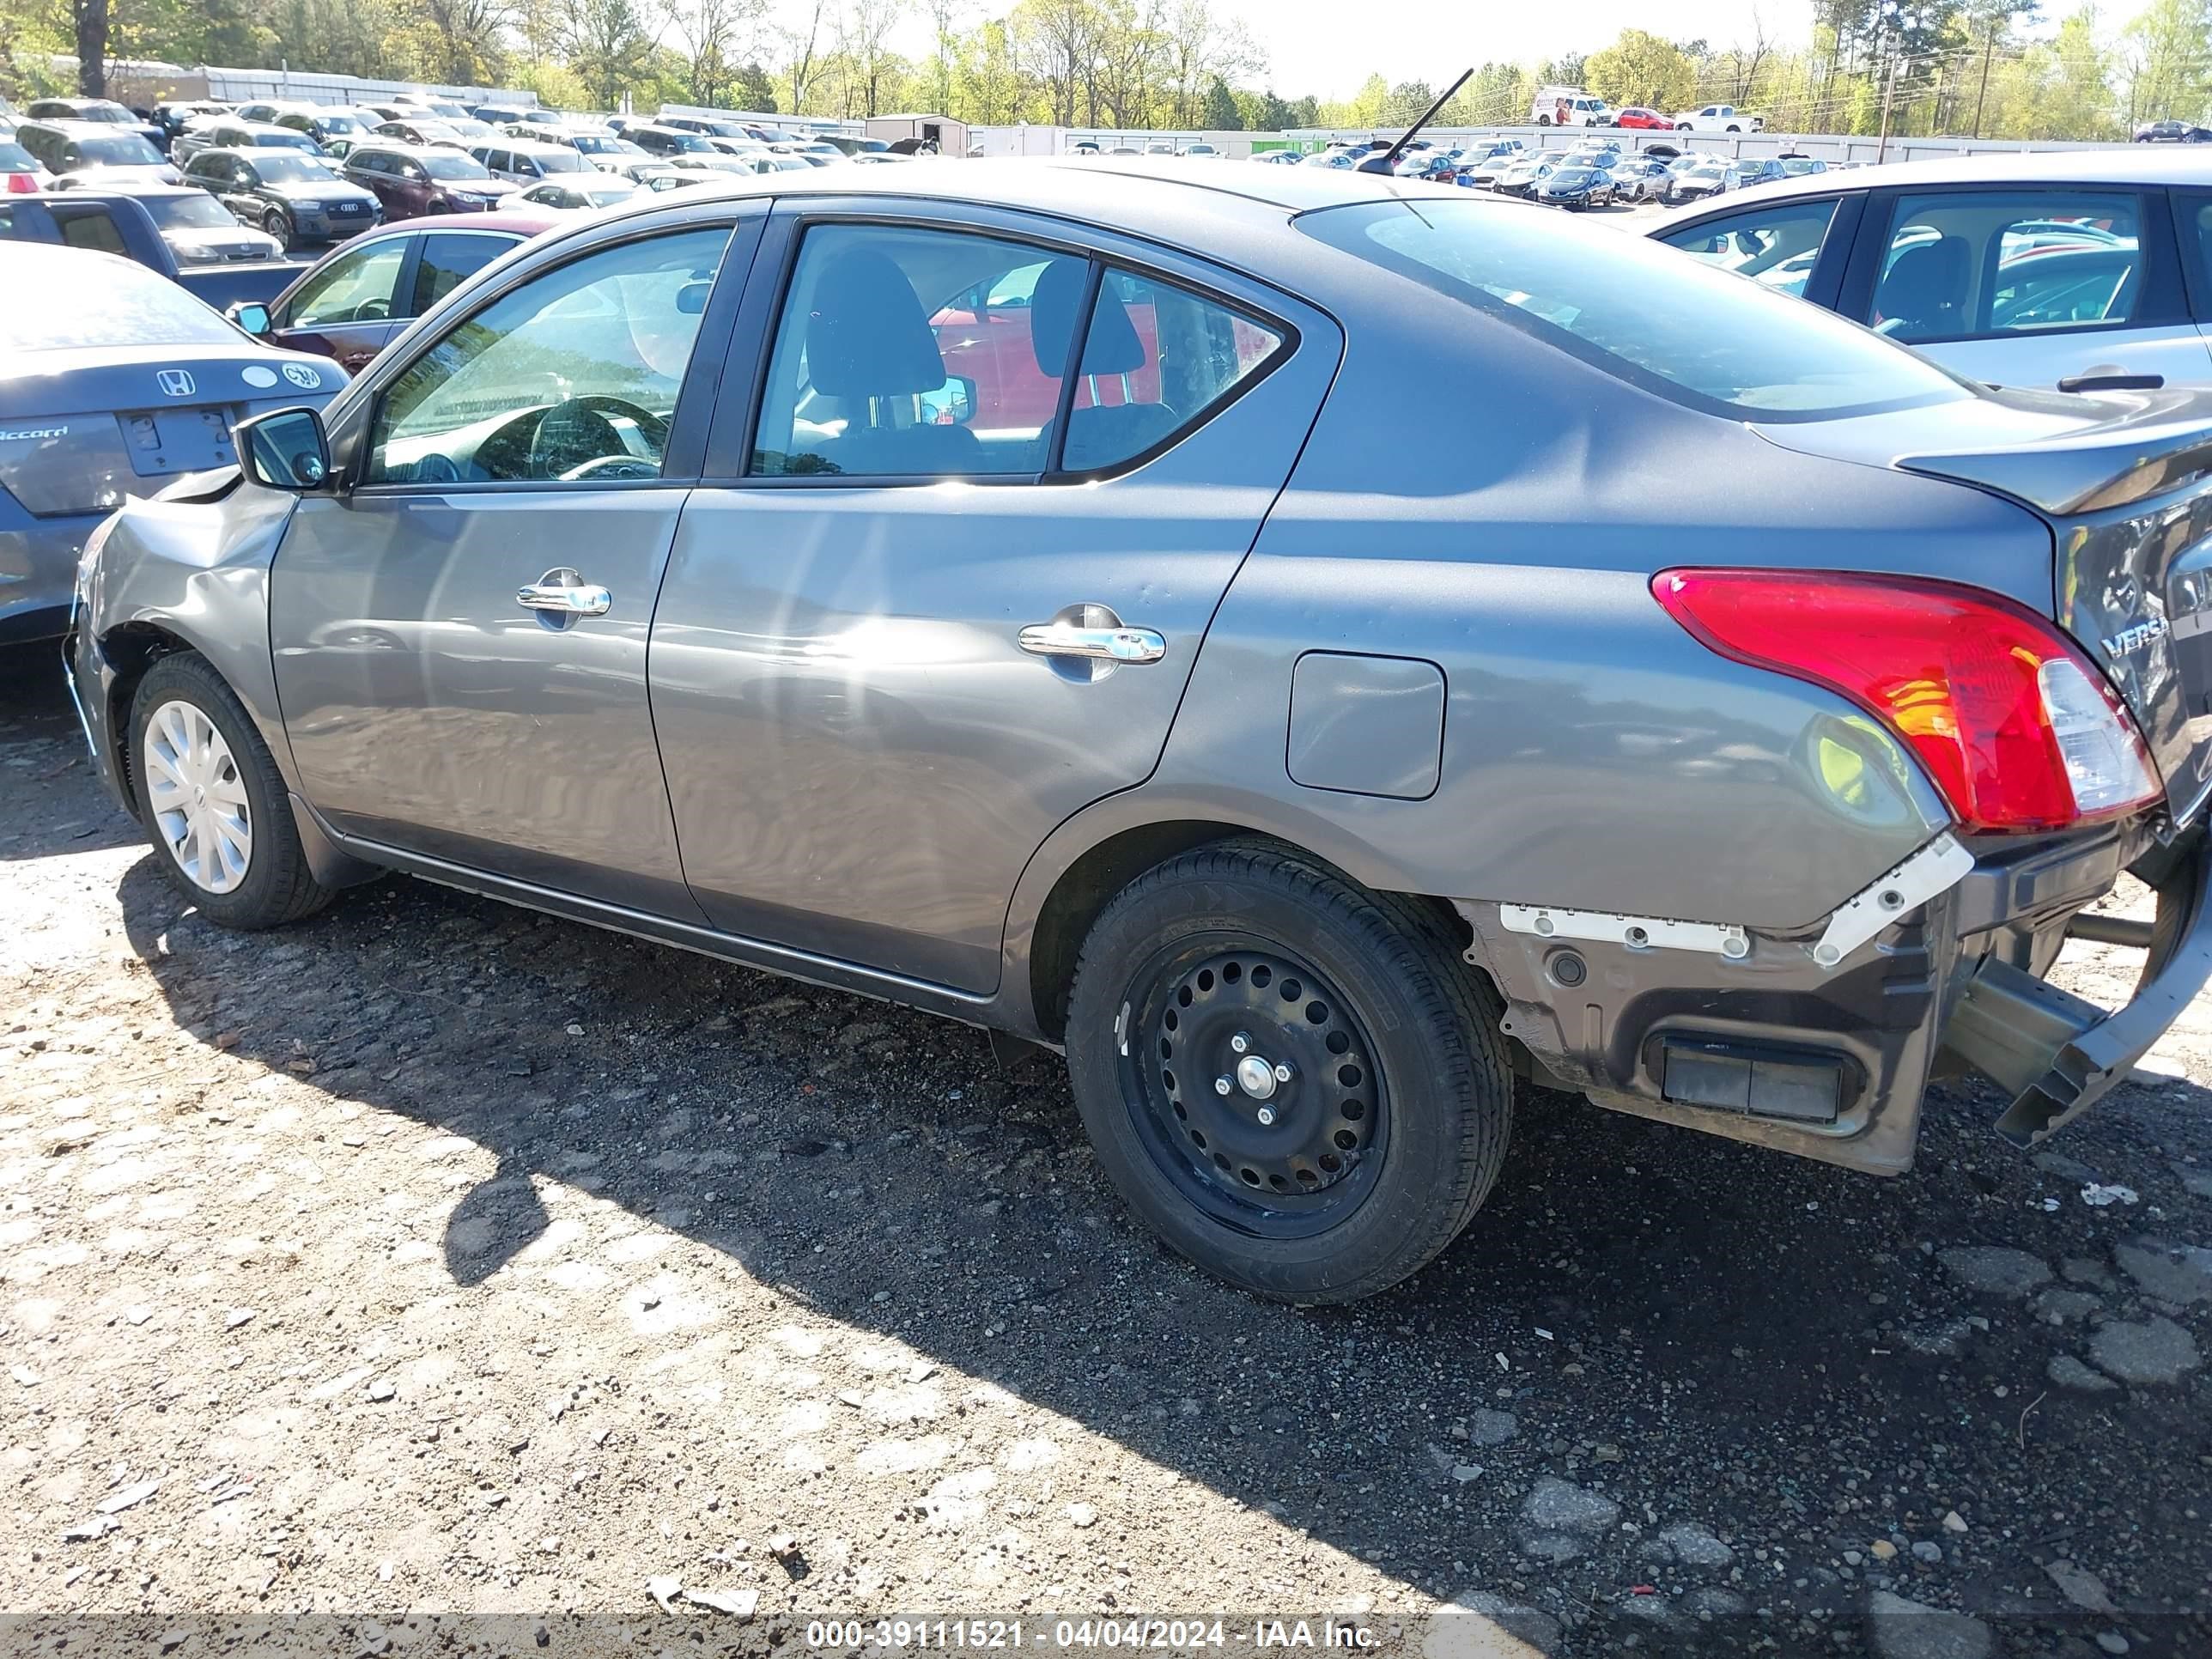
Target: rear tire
<point x="213" y="803"/>
<point x="1386" y="1120"/>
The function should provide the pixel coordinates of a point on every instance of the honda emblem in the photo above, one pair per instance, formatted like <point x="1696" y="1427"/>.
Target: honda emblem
<point x="174" y="383"/>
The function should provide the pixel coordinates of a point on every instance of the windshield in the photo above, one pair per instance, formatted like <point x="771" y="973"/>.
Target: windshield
<point x="1632" y="308"/>
<point x="452" y="164"/>
<point x="281" y="138"/>
<point x="111" y="112"/>
<point x="293" y="170"/>
<point x="689" y="140"/>
<point x="124" y="149"/>
<point x="559" y="160"/>
<point x="60" y="303"/>
<point x="198" y="211"/>
<point x="332" y="121"/>
<point x="1574" y="175"/>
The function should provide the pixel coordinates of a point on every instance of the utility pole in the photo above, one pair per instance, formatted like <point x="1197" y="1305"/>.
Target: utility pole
<point x="1989" y="46"/>
<point x="1888" y="97"/>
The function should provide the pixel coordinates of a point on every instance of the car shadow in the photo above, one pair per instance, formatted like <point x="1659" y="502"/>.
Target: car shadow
<point x="1668" y="1317"/>
<point x="44" y="771"/>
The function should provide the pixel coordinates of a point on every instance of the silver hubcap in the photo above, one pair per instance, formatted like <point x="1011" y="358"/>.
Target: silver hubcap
<point x="197" y="798"/>
<point x="1256" y="1077"/>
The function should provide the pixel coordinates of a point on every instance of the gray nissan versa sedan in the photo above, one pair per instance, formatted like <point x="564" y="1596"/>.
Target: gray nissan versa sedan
<point x="1008" y="590"/>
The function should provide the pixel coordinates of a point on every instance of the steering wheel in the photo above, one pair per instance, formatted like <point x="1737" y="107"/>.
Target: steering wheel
<point x="575" y="433"/>
<point x="613" y="467"/>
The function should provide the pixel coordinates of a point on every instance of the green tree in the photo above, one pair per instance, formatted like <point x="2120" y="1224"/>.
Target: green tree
<point x="751" y="89"/>
<point x="607" y="48"/>
<point x="1220" y="113"/>
<point x="1639" y="68"/>
<point x="2169" y="56"/>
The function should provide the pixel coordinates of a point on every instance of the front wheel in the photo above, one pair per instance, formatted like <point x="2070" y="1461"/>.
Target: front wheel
<point x="213" y="802"/>
<point x="278" y="225"/>
<point x="1295" y="1082"/>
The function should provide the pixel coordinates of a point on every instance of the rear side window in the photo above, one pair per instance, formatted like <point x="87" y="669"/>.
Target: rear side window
<point x="447" y="259"/>
<point x="96" y="231"/>
<point x="1638" y="311"/>
<point x="1775" y="245"/>
<point x="1969" y="264"/>
<point x="1156" y="359"/>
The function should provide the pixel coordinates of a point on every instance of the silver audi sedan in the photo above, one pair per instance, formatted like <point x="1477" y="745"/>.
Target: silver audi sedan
<point x="1011" y="590"/>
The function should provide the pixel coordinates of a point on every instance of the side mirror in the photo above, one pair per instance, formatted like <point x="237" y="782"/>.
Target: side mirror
<point x="285" y="450"/>
<point x="953" y="403"/>
<point x="250" y="316"/>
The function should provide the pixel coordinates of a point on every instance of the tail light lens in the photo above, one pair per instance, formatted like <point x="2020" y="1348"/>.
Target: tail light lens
<point x="21" y="184"/>
<point x="2017" y="727"/>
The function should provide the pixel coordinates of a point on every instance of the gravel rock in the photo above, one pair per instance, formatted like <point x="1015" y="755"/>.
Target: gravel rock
<point x="1489" y="1428"/>
<point x="1899" y="1629"/>
<point x="1559" y="1505"/>
<point x="1928" y="1550"/>
<point x="2068" y="1372"/>
<point x="1694" y="1546"/>
<point x="2153" y="1354"/>
<point x="1942" y="1339"/>
<point x="2058" y="1307"/>
<point x="2195" y="1180"/>
<point x="739" y="1603"/>
<point x="1552" y="1546"/>
<point x="2172" y="1273"/>
<point x="1711" y="1601"/>
<point x="2080" y="1586"/>
<point x="1995" y="1270"/>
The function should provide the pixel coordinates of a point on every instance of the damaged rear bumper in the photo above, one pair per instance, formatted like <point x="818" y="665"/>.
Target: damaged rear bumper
<point x="2056" y="1054"/>
<point x="1779" y="1040"/>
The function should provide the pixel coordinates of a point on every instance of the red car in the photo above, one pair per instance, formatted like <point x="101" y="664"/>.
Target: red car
<point x="1637" y="116"/>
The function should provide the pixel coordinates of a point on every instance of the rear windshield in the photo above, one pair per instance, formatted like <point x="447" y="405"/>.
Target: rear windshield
<point x="198" y="211"/>
<point x="1639" y="310"/>
<point x="61" y="301"/>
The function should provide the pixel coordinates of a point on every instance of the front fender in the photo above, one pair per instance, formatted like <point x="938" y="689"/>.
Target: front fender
<point x="194" y="569"/>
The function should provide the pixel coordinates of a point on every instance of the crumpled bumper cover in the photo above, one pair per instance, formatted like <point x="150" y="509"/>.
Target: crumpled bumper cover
<point x="2058" y="1054"/>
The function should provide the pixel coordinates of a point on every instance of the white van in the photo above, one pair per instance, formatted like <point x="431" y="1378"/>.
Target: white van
<point x="1568" y="106"/>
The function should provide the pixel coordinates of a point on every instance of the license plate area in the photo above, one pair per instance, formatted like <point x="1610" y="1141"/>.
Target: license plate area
<point x="160" y="441"/>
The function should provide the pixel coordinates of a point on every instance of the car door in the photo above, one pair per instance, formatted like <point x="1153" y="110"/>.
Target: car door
<point x="459" y="631"/>
<point x="897" y="645"/>
<point x="2073" y="285"/>
<point x="350" y="307"/>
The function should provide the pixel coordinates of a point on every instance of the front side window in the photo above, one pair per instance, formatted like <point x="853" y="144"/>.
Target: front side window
<point x="573" y="376"/>
<point x="356" y="287"/>
<point x="915" y="353"/>
<point x="449" y="164"/>
<point x="96" y="231"/>
<point x="1639" y="310"/>
<point x="1991" y="263"/>
<point x="1775" y="245"/>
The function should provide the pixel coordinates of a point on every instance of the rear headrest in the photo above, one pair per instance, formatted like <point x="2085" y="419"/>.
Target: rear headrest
<point x="1113" y="347"/>
<point x="867" y="334"/>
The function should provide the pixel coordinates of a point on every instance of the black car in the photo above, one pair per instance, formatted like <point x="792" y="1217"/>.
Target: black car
<point x="236" y="134"/>
<point x="297" y="198"/>
<point x="172" y="118"/>
<point x="2157" y="132"/>
<point x="671" y="141"/>
<point x="1576" y="186"/>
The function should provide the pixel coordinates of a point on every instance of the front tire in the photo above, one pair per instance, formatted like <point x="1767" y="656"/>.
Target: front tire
<point x="213" y="803"/>
<point x="1368" y="1099"/>
<point x="279" y="225"/>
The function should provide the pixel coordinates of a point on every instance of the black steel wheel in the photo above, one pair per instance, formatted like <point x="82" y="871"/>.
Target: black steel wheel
<point x="1262" y="1101"/>
<point x="1295" y="1081"/>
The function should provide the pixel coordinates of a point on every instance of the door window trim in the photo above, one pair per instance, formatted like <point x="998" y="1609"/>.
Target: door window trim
<point x="2193" y="247"/>
<point x="728" y="461"/>
<point x="2162" y="305"/>
<point x="695" y="400"/>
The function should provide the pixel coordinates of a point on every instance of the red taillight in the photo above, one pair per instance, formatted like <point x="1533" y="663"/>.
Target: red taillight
<point x="2018" y="729"/>
<point x="22" y="183"/>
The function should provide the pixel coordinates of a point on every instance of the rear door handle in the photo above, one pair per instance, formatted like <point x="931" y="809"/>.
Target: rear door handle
<point x="2111" y="380"/>
<point x="1116" y="644"/>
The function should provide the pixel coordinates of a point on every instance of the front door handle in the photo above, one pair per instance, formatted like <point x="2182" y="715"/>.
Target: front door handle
<point x="1115" y="644"/>
<point x="566" y="592"/>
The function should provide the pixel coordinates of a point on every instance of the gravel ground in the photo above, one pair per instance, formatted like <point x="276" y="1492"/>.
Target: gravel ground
<point x="437" y="1258"/>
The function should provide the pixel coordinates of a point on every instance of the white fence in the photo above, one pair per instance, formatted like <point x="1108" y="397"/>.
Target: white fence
<point x="1828" y="147"/>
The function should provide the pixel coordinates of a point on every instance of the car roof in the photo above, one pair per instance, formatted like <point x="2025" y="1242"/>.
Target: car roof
<point x="2116" y="164"/>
